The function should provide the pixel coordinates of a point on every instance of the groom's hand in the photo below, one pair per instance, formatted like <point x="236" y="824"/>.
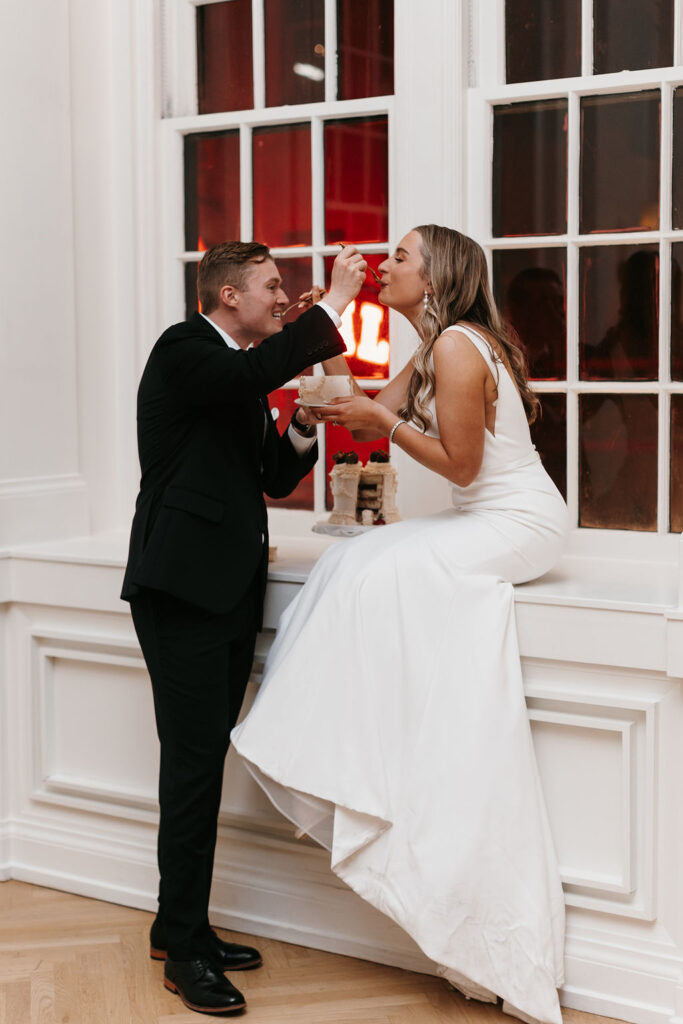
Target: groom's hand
<point x="348" y="276"/>
<point x="305" y="417"/>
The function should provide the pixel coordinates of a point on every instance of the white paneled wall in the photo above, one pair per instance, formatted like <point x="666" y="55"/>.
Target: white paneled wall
<point x="80" y="756"/>
<point x="603" y="664"/>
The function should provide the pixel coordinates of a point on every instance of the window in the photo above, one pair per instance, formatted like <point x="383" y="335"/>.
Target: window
<point x="284" y="138"/>
<point x="583" y="221"/>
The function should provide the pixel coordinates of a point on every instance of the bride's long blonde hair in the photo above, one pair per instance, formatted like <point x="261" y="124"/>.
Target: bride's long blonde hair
<point x="456" y="268"/>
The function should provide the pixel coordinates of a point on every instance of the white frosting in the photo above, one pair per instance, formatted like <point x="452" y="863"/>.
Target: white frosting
<point x="363" y="492"/>
<point x="320" y="390"/>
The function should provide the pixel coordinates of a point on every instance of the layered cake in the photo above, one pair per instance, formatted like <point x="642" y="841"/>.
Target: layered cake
<point x="363" y="494"/>
<point x="320" y="390"/>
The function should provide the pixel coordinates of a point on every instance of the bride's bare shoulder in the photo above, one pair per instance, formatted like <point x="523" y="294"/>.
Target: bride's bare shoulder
<point x="454" y="343"/>
<point x="455" y="356"/>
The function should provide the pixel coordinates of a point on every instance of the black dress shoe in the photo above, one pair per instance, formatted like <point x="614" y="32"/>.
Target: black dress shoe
<point x="202" y="986"/>
<point x="229" y="956"/>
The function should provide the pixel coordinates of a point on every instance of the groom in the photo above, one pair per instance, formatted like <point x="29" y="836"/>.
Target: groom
<point x="198" y="560"/>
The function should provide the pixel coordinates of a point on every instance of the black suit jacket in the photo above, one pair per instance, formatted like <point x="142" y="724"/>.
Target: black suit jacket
<point x="200" y="530"/>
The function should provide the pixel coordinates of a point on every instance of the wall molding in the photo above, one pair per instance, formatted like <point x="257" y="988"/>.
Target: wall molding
<point x="43" y="508"/>
<point x="632" y="716"/>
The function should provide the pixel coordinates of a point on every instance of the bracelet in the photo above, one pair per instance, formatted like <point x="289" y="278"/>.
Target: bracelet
<point x="397" y="424"/>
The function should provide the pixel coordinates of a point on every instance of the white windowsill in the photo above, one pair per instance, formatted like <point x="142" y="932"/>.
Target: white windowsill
<point x="577" y="580"/>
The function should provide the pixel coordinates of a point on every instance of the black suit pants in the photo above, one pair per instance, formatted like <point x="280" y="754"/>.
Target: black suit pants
<point x="199" y="663"/>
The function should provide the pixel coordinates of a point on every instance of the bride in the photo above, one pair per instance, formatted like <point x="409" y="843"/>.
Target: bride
<point x="391" y="724"/>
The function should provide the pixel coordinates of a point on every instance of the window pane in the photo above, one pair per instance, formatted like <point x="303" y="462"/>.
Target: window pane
<point x="365" y="326"/>
<point x="337" y="439"/>
<point x="677" y="311"/>
<point x="191" y="300"/>
<point x="677" y="211"/>
<point x="632" y="34"/>
<point x="620" y="162"/>
<point x="619" y="322"/>
<point x="530" y="168"/>
<point x="212" y="189"/>
<point x="618" y="466"/>
<point x="676" y="463"/>
<point x="297" y="277"/>
<point x="549" y="434"/>
<point x="356" y="180"/>
<point x="365" y="48"/>
<point x="530" y="287"/>
<point x="295" y="51"/>
<point x="542" y="39"/>
<point x="282" y="185"/>
<point x="282" y="400"/>
<point x="224" y="62"/>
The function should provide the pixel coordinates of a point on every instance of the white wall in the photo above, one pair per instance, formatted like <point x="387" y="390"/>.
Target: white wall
<point x="40" y="487"/>
<point x="78" y="299"/>
<point x="114" y="76"/>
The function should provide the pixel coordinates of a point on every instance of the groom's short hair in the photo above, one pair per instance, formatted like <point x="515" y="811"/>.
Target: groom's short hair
<point x="226" y="263"/>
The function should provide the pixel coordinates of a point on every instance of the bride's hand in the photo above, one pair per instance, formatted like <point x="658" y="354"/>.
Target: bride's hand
<point x="356" y="413"/>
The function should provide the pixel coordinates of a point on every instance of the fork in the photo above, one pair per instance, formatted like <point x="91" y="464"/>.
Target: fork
<point x="307" y="295"/>
<point x="376" y="276"/>
<point x="299" y="302"/>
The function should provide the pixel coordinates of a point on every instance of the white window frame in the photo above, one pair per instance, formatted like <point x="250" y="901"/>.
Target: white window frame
<point x="487" y="90"/>
<point x="426" y="174"/>
<point x="179" y="105"/>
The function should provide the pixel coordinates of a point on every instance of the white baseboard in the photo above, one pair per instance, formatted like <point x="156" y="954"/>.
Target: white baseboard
<point x="619" y="1008"/>
<point x="5" y="852"/>
<point x="271" y="886"/>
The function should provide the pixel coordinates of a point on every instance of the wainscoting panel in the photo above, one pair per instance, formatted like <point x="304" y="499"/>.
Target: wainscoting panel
<point x="79" y="754"/>
<point x="94" y="733"/>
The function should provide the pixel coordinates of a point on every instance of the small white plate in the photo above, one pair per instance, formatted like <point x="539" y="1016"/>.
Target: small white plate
<point x="313" y="405"/>
<point x="340" y="529"/>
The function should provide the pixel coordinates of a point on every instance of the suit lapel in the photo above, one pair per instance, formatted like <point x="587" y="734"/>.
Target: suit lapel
<point x="270" y="436"/>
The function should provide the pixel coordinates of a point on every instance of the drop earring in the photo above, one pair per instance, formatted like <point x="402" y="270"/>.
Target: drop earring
<point x="425" y="301"/>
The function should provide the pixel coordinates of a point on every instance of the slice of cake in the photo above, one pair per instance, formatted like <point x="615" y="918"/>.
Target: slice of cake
<point x="319" y="390"/>
<point x="344" y="478"/>
<point x="377" y="489"/>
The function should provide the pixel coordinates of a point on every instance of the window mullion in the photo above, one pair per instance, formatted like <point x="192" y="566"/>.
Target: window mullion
<point x="666" y="158"/>
<point x="573" y="163"/>
<point x="331" y="57"/>
<point x="258" y="34"/>
<point x="663" y="461"/>
<point x="317" y="182"/>
<point x="318" y="267"/>
<point x="572" y="380"/>
<point x="665" y="200"/>
<point x="586" y="37"/>
<point x="573" y="200"/>
<point x="246" y="185"/>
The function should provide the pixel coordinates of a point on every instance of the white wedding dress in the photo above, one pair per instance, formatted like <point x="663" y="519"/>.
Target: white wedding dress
<point x="391" y="724"/>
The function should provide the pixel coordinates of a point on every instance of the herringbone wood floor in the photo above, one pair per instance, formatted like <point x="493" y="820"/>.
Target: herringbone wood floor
<point x="69" y="960"/>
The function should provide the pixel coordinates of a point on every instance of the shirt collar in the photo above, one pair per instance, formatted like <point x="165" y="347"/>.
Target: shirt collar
<point x="230" y="342"/>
